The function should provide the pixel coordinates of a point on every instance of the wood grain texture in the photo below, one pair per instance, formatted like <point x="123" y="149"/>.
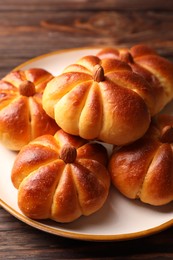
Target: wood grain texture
<point x="87" y="5"/>
<point x="41" y="28"/>
<point x="32" y="28"/>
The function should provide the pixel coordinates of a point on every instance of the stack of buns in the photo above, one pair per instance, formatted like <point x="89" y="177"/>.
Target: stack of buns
<point x="114" y="97"/>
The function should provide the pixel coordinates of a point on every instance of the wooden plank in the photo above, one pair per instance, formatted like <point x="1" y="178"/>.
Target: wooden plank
<point x="97" y="28"/>
<point x="60" y="5"/>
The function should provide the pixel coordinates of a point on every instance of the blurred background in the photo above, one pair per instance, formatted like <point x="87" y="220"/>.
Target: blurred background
<point x="31" y="28"/>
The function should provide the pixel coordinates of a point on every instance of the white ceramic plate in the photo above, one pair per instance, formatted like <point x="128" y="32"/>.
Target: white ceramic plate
<point x="119" y="219"/>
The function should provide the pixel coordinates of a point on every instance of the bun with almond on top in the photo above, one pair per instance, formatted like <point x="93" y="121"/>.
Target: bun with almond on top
<point x="61" y="177"/>
<point x="100" y="99"/>
<point x="144" y="169"/>
<point x="22" y="117"/>
<point x="145" y="61"/>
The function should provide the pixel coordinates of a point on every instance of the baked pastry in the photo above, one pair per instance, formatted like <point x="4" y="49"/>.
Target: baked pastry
<point x="144" y="170"/>
<point x="145" y="61"/>
<point x="100" y="99"/>
<point x="61" y="177"/>
<point x="22" y="117"/>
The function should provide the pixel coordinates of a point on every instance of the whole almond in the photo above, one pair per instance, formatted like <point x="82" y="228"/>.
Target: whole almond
<point x="125" y="56"/>
<point x="68" y="153"/>
<point x="27" y="88"/>
<point x="98" y="73"/>
<point x="167" y="134"/>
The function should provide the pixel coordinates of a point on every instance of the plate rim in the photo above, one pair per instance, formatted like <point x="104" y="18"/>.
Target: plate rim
<point x="70" y="234"/>
<point x="60" y="51"/>
<point x="87" y="237"/>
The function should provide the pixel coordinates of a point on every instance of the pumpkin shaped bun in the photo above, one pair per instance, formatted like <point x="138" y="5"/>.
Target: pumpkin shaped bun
<point x="146" y="62"/>
<point x="100" y="99"/>
<point x="144" y="170"/>
<point x="22" y="117"/>
<point x="61" y="177"/>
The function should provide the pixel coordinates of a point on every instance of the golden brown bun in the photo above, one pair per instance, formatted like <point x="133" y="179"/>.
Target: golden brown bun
<point x="22" y="117"/>
<point x="100" y="99"/>
<point x="157" y="70"/>
<point x="56" y="182"/>
<point x="144" y="169"/>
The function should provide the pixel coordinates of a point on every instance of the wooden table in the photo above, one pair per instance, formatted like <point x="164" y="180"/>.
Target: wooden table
<point x="31" y="28"/>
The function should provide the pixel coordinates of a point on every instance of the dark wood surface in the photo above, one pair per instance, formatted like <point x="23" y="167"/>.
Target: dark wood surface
<point x="31" y="28"/>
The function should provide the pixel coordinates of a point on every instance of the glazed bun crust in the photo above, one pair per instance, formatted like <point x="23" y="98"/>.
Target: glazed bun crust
<point x="113" y="107"/>
<point x="22" y="117"/>
<point x="61" y="177"/>
<point x="144" y="169"/>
